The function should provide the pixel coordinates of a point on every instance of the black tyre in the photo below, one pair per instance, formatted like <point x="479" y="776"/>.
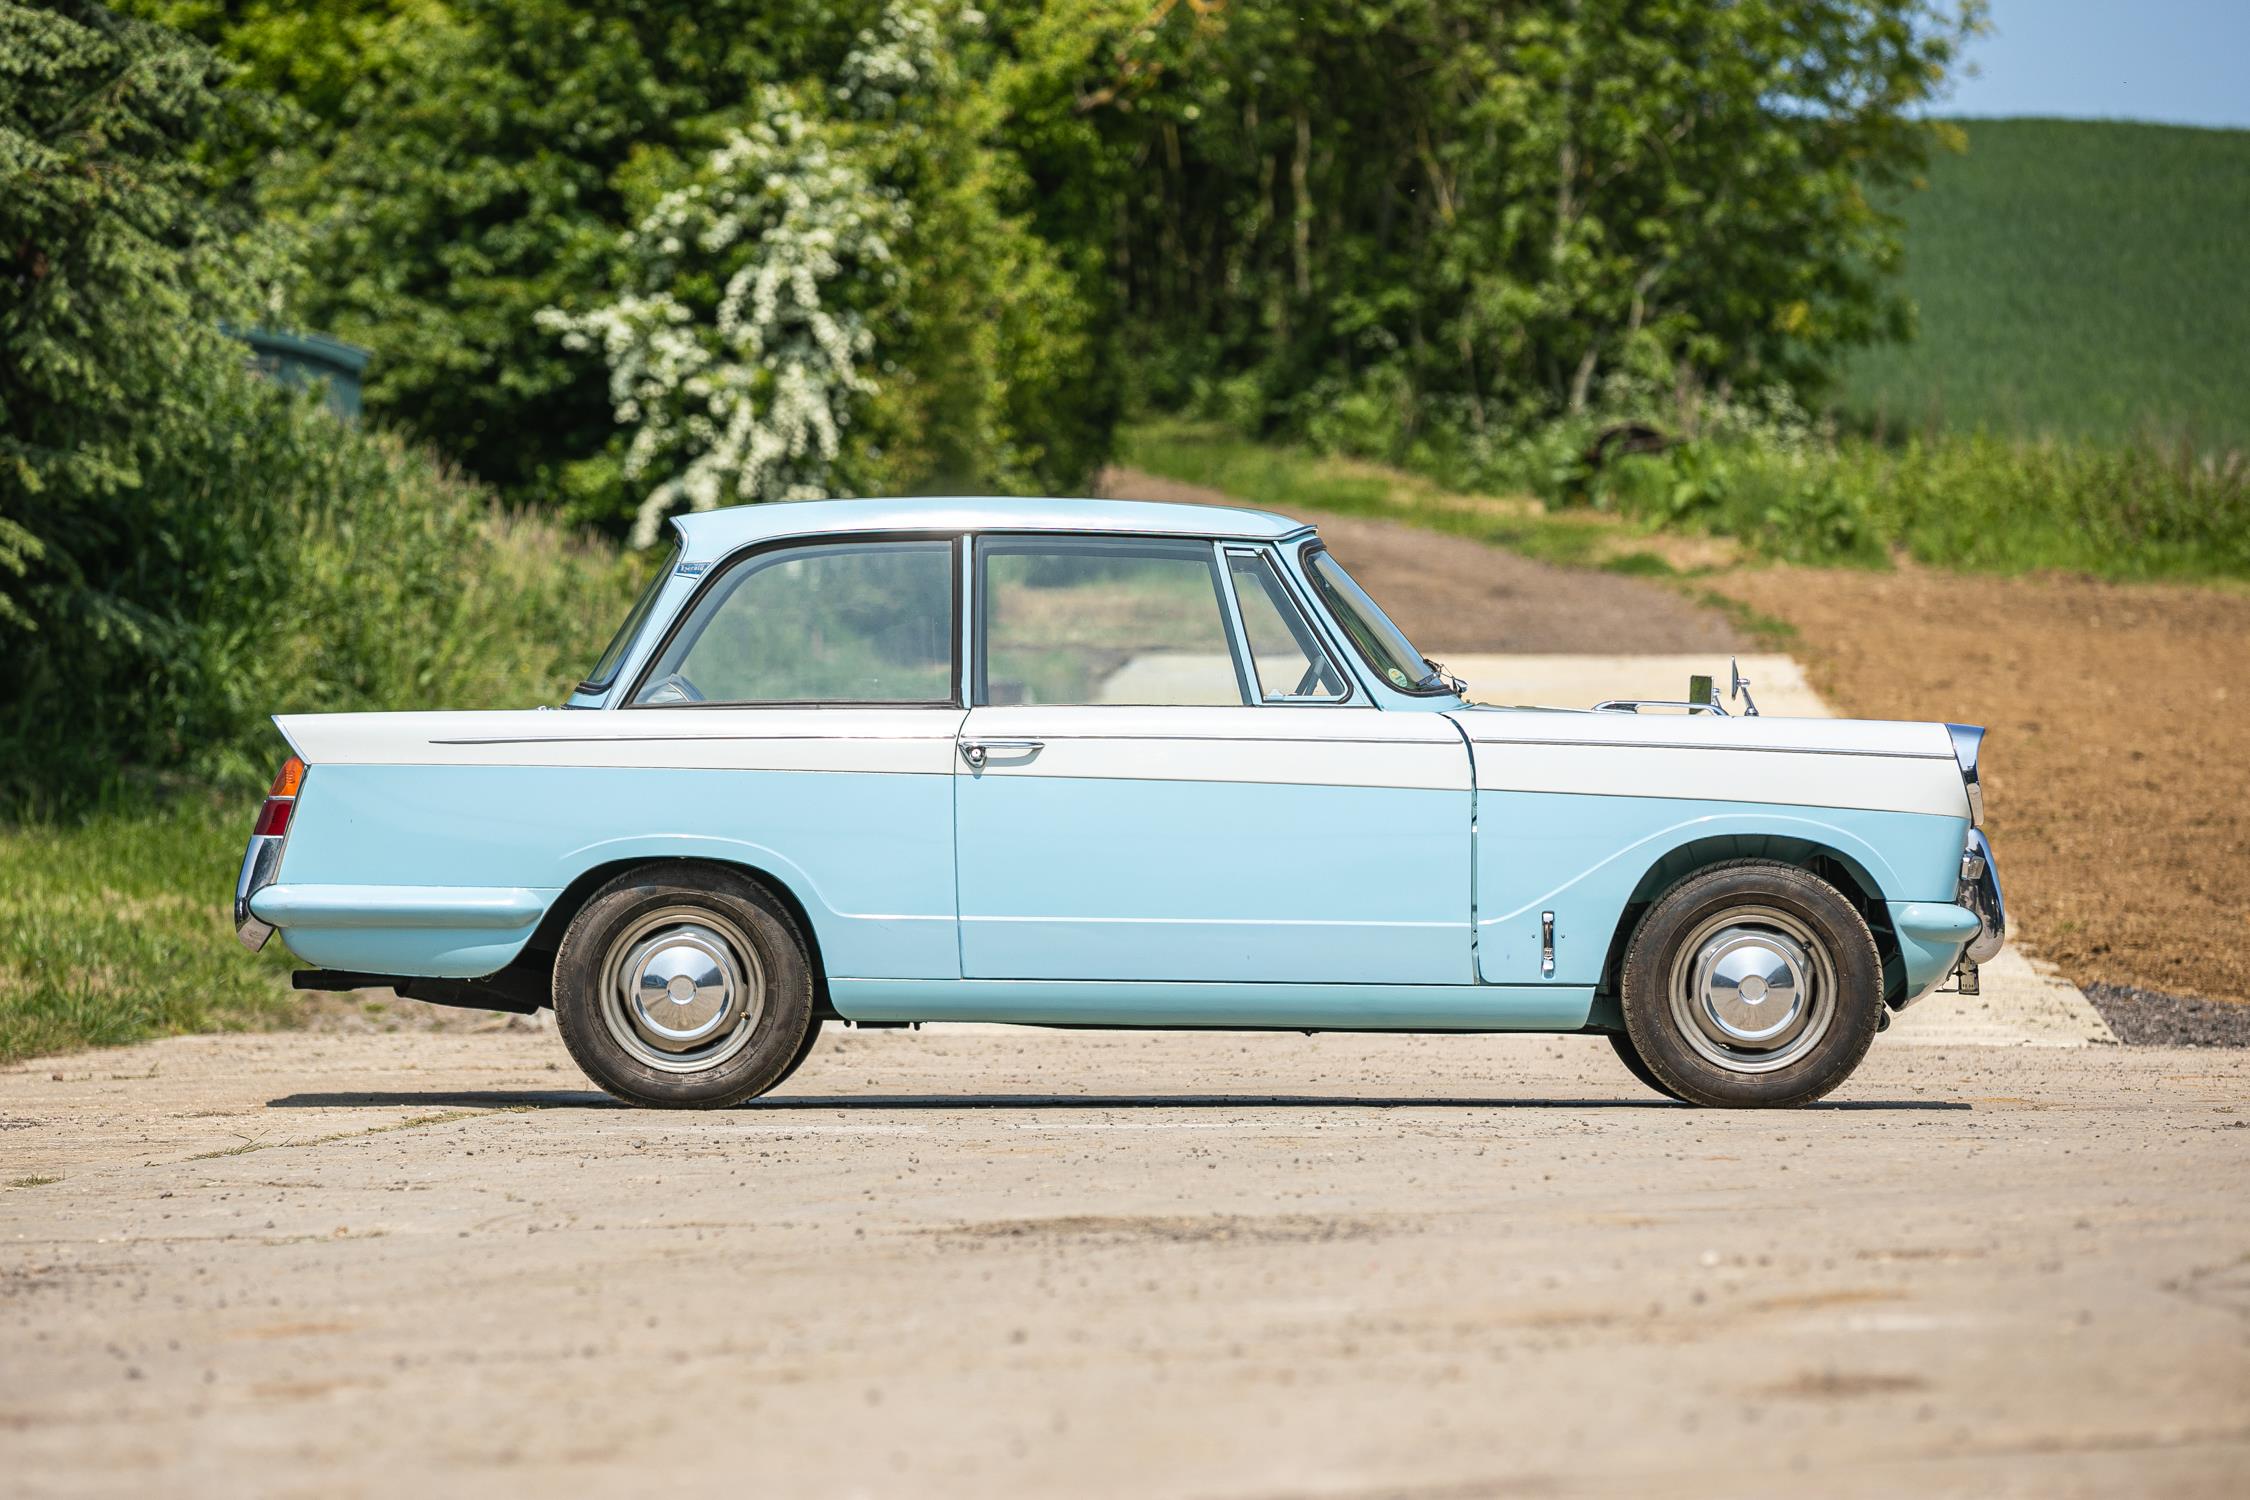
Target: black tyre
<point x="1752" y="985"/>
<point x="1630" y="1056"/>
<point x="684" y="986"/>
<point x="804" y="1050"/>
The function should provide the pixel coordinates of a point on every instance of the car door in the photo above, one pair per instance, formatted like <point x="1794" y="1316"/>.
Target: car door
<point x="1166" y="775"/>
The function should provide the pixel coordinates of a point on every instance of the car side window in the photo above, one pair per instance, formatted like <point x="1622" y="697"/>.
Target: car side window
<point x="1286" y="658"/>
<point x="1084" y="621"/>
<point x="850" y="622"/>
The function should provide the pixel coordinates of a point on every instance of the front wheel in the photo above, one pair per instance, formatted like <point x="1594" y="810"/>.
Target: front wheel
<point x="1630" y="1056"/>
<point x="1752" y="984"/>
<point x="684" y="986"/>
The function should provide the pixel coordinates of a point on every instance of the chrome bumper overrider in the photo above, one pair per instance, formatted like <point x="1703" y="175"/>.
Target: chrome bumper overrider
<point x="260" y="863"/>
<point x="1980" y="893"/>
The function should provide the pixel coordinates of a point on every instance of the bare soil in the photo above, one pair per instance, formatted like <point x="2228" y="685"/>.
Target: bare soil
<point x="2116" y="775"/>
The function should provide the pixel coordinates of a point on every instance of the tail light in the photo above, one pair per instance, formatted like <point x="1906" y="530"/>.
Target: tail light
<point x="261" y="861"/>
<point x="273" y="817"/>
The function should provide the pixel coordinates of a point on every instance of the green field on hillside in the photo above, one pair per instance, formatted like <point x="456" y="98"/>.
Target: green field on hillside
<point x="2085" y="278"/>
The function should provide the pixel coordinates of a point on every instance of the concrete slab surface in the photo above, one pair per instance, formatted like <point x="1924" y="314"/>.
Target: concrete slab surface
<point x="1043" y="1263"/>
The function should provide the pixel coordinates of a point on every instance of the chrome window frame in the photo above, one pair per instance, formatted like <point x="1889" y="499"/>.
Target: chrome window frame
<point x="745" y="556"/>
<point x="976" y="689"/>
<point x="1247" y="666"/>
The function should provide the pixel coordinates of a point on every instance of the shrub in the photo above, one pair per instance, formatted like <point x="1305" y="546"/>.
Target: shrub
<point x="280" y="560"/>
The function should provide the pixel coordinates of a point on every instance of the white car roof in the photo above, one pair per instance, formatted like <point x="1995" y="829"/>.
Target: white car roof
<point x="712" y="534"/>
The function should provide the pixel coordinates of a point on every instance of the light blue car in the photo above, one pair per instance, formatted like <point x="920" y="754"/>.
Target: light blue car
<point x="1110" y="764"/>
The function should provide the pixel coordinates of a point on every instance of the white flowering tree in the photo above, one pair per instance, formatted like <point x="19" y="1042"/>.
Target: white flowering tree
<point x="744" y="337"/>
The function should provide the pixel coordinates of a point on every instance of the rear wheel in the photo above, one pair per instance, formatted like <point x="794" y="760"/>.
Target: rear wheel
<point x="683" y="986"/>
<point x="804" y="1050"/>
<point x="1752" y="984"/>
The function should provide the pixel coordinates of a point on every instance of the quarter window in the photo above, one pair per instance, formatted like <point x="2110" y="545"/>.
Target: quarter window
<point x="855" y="622"/>
<point x="613" y="656"/>
<point x="1075" y="622"/>
<point x="1285" y="656"/>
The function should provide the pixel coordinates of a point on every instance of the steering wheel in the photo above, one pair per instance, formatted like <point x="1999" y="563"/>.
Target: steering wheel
<point x="673" y="689"/>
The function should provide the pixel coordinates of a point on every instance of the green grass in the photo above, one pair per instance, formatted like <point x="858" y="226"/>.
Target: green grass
<point x="116" y="921"/>
<point x="117" y="926"/>
<point x="1974" y="503"/>
<point x="2075" y="279"/>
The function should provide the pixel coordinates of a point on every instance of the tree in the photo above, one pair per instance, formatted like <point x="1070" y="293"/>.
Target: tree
<point x="117" y="261"/>
<point x="1485" y="211"/>
<point x="839" y="229"/>
<point x="479" y="162"/>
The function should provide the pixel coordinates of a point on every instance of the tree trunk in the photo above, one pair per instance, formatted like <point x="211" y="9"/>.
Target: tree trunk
<point x="1301" y="248"/>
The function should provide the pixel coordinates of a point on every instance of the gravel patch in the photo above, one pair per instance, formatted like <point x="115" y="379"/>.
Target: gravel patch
<point x="2151" y="1018"/>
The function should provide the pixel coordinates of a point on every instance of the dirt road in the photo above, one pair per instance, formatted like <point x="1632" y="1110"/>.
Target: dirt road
<point x="1453" y="594"/>
<point x="992" y="1263"/>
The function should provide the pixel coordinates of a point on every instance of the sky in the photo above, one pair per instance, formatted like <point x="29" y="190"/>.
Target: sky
<point x="2182" y="62"/>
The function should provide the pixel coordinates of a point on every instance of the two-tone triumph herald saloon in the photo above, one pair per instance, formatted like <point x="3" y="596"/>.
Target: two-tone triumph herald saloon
<point x="1110" y="764"/>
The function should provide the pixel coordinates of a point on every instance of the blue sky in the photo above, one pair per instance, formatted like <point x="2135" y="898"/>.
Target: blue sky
<point x="2185" y="62"/>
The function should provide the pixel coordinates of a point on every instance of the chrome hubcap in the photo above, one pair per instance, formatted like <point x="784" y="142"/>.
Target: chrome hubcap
<point x="683" y="989"/>
<point x="1753" y="989"/>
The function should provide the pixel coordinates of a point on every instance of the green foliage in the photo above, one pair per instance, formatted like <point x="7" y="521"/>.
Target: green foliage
<point x="2076" y="279"/>
<point x="114" y="927"/>
<point x="1418" y="227"/>
<point x="829" y="302"/>
<point x="1293" y="479"/>
<point x="116" y="262"/>
<point x="1435" y="215"/>
<point x="1976" y="503"/>
<point x="186" y="549"/>
<point x="462" y="166"/>
<point x="282" y="561"/>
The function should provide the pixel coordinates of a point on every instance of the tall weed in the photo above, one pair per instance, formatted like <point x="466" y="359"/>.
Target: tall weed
<point x="282" y="561"/>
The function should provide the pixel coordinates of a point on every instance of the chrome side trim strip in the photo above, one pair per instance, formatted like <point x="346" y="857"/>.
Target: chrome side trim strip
<point x="1747" y="749"/>
<point x="666" y="739"/>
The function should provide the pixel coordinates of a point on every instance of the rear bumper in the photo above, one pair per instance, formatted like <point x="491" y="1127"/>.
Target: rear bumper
<point x="430" y="932"/>
<point x="261" y="862"/>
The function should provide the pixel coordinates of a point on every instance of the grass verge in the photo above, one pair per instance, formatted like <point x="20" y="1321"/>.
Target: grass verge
<point x="1291" y="477"/>
<point x="116" y="926"/>
<point x="1971" y="504"/>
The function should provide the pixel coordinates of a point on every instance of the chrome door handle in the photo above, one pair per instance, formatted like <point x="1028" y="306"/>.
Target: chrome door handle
<point x="977" y="752"/>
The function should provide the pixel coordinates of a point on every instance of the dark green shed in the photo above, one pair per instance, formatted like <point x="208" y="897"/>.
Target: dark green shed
<point x="303" y="359"/>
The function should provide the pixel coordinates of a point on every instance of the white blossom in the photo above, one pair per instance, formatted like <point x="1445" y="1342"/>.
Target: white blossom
<point x="748" y="399"/>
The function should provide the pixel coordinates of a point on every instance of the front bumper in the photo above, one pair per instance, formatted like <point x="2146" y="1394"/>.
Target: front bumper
<point x="1948" y="940"/>
<point x="261" y="862"/>
<point x="1980" y="893"/>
